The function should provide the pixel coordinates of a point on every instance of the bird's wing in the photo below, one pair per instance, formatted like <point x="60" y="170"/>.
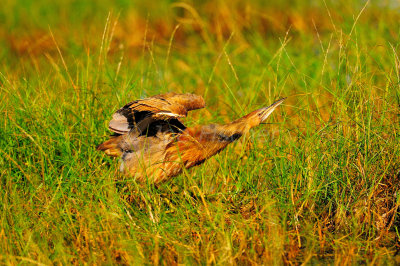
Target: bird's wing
<point x="141" y="114"/>
<point x="188" y="100"/>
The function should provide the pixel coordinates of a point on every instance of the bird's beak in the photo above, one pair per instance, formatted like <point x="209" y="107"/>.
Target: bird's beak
<point x="266" y="111"/>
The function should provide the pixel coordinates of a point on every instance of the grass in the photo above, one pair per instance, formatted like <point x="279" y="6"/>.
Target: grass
<point x="318" y="184"/>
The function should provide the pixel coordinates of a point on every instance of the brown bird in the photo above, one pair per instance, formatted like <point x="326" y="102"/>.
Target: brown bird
<point x="154" y="144"/>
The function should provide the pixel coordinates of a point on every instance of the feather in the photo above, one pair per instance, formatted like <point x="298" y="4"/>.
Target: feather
<point x="153" y="143"/>
<point x="140" y="114"/>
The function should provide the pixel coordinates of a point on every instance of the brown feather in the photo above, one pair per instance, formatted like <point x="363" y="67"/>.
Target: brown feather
<point x="159" y="107"/>
<point x="166" y="146"/>
<point x="111" y="147"/>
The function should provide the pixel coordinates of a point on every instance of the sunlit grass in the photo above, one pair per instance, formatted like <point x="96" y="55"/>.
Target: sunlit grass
<point x="318" y="183"/>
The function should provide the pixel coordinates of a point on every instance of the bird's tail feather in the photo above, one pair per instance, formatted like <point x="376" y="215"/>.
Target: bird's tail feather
<point x="111" y="147"/>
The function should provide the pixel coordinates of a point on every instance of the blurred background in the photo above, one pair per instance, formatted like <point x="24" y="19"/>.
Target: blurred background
<point x="25" y="24"/>
<point x="78" y="26"/>
<point x="318" y="184"/>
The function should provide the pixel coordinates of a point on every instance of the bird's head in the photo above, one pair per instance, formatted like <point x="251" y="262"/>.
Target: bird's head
<point x="260" y="116"/>
<point x="264" y="113"/>
<point x="253" y="119"/>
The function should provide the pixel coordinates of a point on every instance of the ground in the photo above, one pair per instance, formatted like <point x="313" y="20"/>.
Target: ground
<point x="317" y="184"/>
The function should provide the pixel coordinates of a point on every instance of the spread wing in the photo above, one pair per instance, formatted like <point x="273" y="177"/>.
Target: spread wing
<point x="140" y="115"/>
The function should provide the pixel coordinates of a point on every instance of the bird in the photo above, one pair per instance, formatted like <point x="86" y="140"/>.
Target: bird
<point x="153" y="143"/>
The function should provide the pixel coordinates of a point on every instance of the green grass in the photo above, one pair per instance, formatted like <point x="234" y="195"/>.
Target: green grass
<point x="318" y="184"/>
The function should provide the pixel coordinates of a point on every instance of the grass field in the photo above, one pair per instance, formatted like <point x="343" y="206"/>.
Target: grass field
<point x="318" y="184"/>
